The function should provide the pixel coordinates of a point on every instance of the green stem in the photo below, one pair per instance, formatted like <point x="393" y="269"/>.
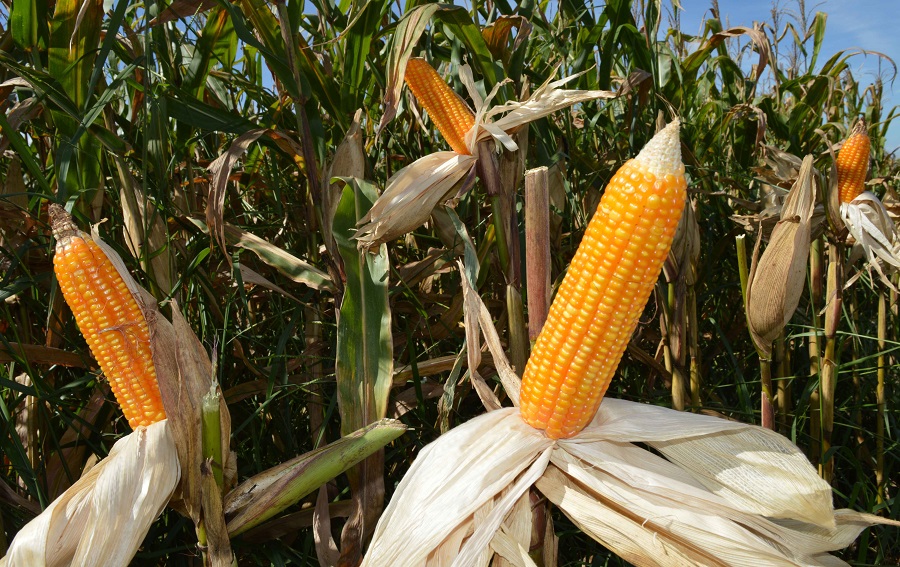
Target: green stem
<point x="827" y="385"/>
<point x="880" y="401"/>
<point x="212" y="432"/>
<point x="767" y="411"/>
<point x="694" y="348"/>
<point x="816" y="279"/>
<point x="501" y="234"/>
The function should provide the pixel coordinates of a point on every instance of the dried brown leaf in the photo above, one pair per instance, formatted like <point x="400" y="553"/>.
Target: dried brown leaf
<point x="220" y="170"/>
<point x="250" y="276"/>
<point x="326" y="550"/>
<point x="182" y="9"/>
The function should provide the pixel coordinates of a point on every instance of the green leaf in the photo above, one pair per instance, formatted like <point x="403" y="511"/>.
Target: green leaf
<point x="73" y="46"/>
<point x="185" y="108"/>
<point x="28" y="23"/>
<point x="817" y="29"/>
<point x="357" y="44"/>
<point x="364" y="347"/>
<point x="23" y="150"/>
<point x="460" y="23"/>
<point x="269" y="493"/>
<point x="218" y="25"/>
<point x="288" y="264"/>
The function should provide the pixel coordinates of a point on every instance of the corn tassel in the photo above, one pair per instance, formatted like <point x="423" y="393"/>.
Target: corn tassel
<point x="604" y="292"/>
<point x="446" y="109"/>
<point x="109" y="318"/>
<point x="853" y="163"/>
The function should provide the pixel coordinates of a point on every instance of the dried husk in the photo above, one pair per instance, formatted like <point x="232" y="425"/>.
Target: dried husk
<point x="875" y="235"/>
<point x="722" y="493"/>
<point x="103" y="518"/>
<point x="777" y="279"/>
<point x="184" y="374"/>
<point x="145" y="231"/>
<point x="410" y="196"/>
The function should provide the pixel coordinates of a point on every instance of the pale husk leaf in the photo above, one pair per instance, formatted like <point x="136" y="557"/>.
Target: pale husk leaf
<point x="722" y="498"/>
<point x="488" y="527"/>
<point x="679" y="503"/>
<point x="512" y="540"/>
<point x="548" y="98"/>
<point x="873" y="229"/>
<point x="510" y="551"/>
<point x="471" y="307"/>
<point x="103" y="518"/>
<point x="666" y="502"/>
<point x="740" y="462"/>
<point x="410" y="196"/>
<point x="612" y="527"/>
<point x="130" y="493"/>
<point x="480" y="317"/>
<point x="451" y="479"/>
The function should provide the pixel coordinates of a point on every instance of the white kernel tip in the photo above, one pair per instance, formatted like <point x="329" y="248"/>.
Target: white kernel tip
<point x="661" y="156"/>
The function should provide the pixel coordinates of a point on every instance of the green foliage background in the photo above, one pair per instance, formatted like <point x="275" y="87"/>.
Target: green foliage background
<point x="122" y="113"/>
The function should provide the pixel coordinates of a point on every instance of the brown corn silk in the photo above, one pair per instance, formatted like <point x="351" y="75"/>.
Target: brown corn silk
<point x="446" y="109"/>
<point x="110" y="319"/>
<point x="853" y="163"/>
<point x="604" y="292"/>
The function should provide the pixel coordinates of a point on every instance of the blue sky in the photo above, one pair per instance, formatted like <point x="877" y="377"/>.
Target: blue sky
<point x="867" y="24"/>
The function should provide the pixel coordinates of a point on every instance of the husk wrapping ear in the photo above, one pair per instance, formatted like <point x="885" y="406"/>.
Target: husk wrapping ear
<point x="103" y="518"/>
<point x="778" y="277"/>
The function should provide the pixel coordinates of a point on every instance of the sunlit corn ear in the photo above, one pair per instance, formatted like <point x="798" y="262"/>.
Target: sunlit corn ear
<point x="853" y="163"/>
<point x="874" y="233"/>
<point x="713" y="492"/>
<point x="446" y="109"/>
<point x="605" y="289"/>
<point x="109" y="310"/>
<point x="103" y="518"/>
<point x="778" y="278"/>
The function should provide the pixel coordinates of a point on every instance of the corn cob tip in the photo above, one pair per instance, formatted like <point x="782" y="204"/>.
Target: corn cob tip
<point x="661" y="156"/>
<point x="860" y="127"/>
<point x="61" y="223"/>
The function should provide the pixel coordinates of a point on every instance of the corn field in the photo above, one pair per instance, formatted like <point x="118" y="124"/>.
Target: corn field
<point x="233" y="153"/>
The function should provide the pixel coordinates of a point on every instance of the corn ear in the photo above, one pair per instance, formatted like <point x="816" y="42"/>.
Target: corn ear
<point x="446" y="109"/>
<point x="603" y="294"/>
<point x="110" y="319"/>
<point x="853" y="163"/>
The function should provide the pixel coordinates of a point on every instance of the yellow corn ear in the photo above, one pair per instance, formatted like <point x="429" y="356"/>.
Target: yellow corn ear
<point x="604" y="292"/>
<point x="853" y="163"/>
<point x="446" y="109"/>
<point x="109" y="318"/>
